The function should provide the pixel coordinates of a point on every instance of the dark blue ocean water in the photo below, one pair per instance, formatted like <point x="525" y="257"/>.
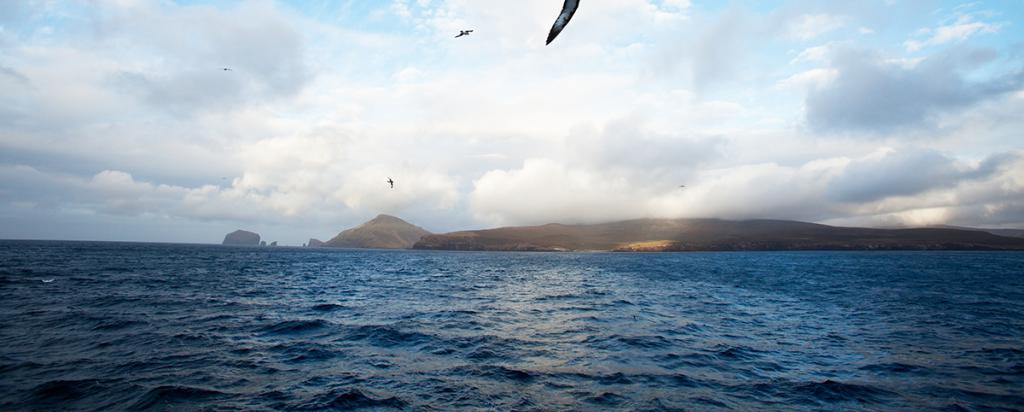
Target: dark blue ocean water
<point x="185" y="327"/>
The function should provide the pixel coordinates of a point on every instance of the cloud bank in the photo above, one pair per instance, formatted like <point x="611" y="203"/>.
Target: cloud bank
<point x="118" y="122"/>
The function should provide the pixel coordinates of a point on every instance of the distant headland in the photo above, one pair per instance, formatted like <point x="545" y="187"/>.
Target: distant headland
<point x="674" y="235"/>
<point x="661" y="235"/>
<point x="382" y="232"/>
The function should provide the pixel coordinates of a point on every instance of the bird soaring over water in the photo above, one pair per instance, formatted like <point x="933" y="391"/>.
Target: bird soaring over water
<point x="391" y="182"/>
<point x="227" y="69"/>
<point x="463" y="33"/>
<point x="568" y="9"/>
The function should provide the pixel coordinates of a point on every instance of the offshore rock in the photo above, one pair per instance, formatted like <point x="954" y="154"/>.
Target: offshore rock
<point x="241" y="238"/>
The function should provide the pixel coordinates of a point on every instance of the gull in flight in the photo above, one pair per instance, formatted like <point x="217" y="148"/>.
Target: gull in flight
<point x="463" y="33"/>
<point x="47" y="280"/>
<point x="227" y="69"/>
<point x="568" y="9"/>
<point x="391" y="182"/>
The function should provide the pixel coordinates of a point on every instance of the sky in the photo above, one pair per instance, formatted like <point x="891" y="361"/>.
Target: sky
<point x="117" y="121"/>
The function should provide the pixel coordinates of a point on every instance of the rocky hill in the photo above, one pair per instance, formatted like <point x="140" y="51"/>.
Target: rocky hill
<point x="241" y="238"/>
<point x="383" y="232"/>
<point x="997" y="232"/>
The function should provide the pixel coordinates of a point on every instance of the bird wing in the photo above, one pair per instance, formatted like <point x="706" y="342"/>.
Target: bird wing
<point x="568" y="9"/>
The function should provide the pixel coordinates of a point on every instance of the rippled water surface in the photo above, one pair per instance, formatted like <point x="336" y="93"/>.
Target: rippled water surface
<point x="149" y="326"/>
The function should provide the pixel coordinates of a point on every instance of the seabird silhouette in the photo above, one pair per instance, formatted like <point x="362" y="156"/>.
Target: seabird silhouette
<point x="568" y="9"/>
<point x="391" y="182"/>
<point x="463" y="33"/>
<point x="227" y="69"/>
<point x="48" y="280"/>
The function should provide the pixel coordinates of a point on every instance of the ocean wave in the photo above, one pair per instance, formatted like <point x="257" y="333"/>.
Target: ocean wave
<point x="1001" y="354"/>
<point x="10" y="366"/>
<point x="294" y="327"/>
<point x="64" y="391"/>
<point x="497" y="372"/>
<point x="305" y="352"/>
<point x="894" y="368"/>
<point x="168" y="395"/>
<point x="385" y="336"/>
<point x="985" y="399"/>
<point x="636" y="341"/>
<point x="117" y="324"/>
<point x="349" y="399"/>
<point x="605" y="399"/>
<point x="734" y="353"/>
<point x="328" y="307"/>
<point x="830" y="391"/>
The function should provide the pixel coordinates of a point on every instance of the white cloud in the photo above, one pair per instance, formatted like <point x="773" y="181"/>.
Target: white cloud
<point x="809" y="26"/>
<point x="677" y="4"/>
<point x="408" y="74"/>
<point x="814" y="54"/>
<point x="962" y="29"/>
<point x="720" y="50"/>
<point x="827" y="189"/>
<point x="810" y="79"/>
<point x="120" y="113"/>
<point x="869" y="93"/>
<point x="544" y="190"/>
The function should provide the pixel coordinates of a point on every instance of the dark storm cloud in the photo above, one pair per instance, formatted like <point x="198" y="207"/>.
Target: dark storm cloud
<point x="906" y="174"/>
<point x="875" y="95"/>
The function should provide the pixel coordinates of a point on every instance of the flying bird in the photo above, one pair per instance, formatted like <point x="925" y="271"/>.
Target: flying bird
<point x="391" y="182"/>
<point x="463" y="33"/>
<point x="568" y="9"/>
<point x="47" y="280"/>
<point x="227" y="69"/>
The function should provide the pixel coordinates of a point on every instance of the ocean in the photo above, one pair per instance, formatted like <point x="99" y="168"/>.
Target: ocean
<point x="133" y="326"/>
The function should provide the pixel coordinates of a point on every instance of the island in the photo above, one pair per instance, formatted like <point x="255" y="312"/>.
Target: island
<point x="670" y="235"/>
<point x="241" y="238"/>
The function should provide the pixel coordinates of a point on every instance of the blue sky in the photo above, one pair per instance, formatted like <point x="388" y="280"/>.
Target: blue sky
<point x="116" y="122"/>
